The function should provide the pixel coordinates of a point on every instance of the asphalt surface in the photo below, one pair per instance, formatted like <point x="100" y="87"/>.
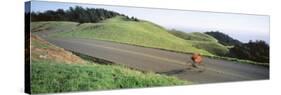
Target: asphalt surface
<point x="164" y="62"/>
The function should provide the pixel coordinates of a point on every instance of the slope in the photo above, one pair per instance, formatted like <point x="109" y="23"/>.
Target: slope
<point x="197" y="36"/>
<point x="202" y="41"/>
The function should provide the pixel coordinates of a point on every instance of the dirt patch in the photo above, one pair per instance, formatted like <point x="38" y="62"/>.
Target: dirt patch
<point x="43" y="50"/>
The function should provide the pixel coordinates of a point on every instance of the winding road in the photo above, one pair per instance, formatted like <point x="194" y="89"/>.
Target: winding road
<point x="163" y="62"/>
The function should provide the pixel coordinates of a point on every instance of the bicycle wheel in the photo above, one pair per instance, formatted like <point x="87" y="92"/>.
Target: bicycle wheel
<point x="201" y="67"/>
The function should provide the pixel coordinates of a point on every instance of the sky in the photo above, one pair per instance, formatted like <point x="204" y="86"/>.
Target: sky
<point x="243" y="27"/>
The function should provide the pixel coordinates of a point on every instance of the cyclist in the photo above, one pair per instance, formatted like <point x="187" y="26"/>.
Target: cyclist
<point x="197" y="59"/>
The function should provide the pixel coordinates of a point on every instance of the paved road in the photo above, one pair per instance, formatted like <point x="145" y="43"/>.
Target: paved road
<point x="164" y="62"/>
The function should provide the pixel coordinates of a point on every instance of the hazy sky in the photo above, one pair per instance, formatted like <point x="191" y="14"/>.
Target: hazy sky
<point x="239" y="26"/>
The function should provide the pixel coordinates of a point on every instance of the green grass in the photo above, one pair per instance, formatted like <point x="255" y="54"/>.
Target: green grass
<point x="212" y="47"/>
<point x="52" y="77"/>
<point x="202" y="41"/>
<point x="52" y="26"/>
<point x="142" y="33"/>
<point x="196" y="36"/>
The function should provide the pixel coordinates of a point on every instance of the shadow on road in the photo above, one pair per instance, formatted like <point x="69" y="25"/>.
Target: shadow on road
<point x="178" y="71"/>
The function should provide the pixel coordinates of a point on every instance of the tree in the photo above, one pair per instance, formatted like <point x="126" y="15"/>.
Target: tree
<point x="253" y="50"/>
<point x="76" y="14"/>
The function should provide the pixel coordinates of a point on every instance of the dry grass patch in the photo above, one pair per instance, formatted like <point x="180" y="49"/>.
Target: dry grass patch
<point x="43" y="50"/>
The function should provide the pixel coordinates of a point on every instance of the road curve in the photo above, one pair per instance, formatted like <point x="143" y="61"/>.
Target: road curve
<point x="163" y="62"/>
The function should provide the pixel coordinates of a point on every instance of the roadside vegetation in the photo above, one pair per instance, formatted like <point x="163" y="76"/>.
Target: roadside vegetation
<point x="42" y="50"/>
<point x="57" y="70"/>
<point x="51" y="77"/>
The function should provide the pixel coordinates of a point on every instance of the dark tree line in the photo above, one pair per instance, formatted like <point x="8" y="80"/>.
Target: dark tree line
<point x="223" y="38"/>
<point x="77" y="14"/>
<point x="253" y="50"/>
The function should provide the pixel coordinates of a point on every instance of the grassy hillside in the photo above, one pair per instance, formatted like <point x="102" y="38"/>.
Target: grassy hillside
<point x="54" y="69"/>
<point x="202" y="41"/>
<point x="193" y="36"/>
<point x="52" y="26"/>
<point x="141" y="33"/>
<point x="212" y="47"/>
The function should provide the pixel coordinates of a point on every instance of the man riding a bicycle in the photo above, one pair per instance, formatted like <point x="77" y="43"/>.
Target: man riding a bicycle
<point x="197" y="61"/>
